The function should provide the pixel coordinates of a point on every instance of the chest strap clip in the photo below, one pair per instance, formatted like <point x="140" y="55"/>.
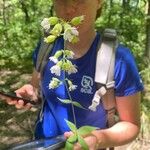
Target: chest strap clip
<point x="97" y="97"/>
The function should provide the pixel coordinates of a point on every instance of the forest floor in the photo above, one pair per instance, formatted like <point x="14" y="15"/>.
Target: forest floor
<point x="17" y="126"/>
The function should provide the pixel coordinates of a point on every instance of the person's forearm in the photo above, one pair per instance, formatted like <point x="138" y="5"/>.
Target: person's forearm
<point x="35" y="79"/>
<point x="120" y="134"/>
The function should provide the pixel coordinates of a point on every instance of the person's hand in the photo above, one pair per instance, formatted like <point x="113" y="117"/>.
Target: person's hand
<point x="90" y="140"/>
<point x="26" y="91"/>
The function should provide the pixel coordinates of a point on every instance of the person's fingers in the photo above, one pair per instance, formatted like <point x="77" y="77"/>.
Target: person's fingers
<point x="91" y="142"/>
<point x="77" y="146"/>
<point x="19" y="104"/>
<point x="27" y="91"/>
<point x="68" y="134"/>
<point x="11" y="102"/>
<point x="28" y="106"/>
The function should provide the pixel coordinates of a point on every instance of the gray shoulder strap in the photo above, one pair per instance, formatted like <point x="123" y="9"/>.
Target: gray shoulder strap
<point x="106" y="58"/>
<point x="107" y="50"/>
<point x="42" y="59"/>
<point x="104" y="75"/>
<point x="43" y="54"/>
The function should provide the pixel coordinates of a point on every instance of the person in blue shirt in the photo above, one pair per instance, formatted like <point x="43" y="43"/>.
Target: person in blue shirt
<point x="128" y="85"/>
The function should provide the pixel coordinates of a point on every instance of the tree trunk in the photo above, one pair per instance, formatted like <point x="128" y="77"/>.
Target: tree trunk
<point x="25" y="10"/>
<point x="4" y="19"/>
<point x="110" y="13"/>
<point x="147" y="50"/>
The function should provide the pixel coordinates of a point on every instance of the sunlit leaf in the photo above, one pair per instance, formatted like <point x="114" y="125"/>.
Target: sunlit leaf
<point x="82" y="143"/>
<point x="86" y="130"/>
<point x="72" y="139"/>
<point x="68" y="146"/>
<point x="78" y="105"/>
<point x="71" y="126"/>
<point x="67" y="101"/>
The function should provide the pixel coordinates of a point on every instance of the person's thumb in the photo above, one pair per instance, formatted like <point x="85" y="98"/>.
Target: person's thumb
<point x="30" y="90"/>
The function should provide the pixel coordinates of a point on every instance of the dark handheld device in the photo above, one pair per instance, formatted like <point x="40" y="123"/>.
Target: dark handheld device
<point x="12" y="95"/>
<point x="55" y="143"/>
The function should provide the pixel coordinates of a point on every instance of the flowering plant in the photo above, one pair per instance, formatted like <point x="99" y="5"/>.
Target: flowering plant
<point x="56" y="27"/>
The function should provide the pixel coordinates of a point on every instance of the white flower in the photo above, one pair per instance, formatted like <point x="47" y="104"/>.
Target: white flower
<point x="72" y="69"/>
<point x="70" y="33"/>
<point x="69" y="54"/>
<point x="72" y="87"/>
<point x="68" y="67"/>
<point x="55" y="70"/>
<point x="53" y="59"/>
<point x="54" y="83"/>
<point x="74" y="31"/>
<point x="45" y="24"/>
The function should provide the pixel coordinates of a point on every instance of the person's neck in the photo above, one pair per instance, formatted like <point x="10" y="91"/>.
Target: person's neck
<point x="82" y="46"/>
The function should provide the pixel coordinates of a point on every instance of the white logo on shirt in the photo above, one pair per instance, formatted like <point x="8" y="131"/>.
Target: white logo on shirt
<point x="86" y="83"/>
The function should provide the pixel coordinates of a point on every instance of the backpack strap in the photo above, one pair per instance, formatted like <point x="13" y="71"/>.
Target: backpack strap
<point x="42" y="57"/>
<point x="104" y="75"/>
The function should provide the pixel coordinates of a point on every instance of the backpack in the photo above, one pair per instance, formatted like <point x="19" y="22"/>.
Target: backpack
<point x="104" y="74"/>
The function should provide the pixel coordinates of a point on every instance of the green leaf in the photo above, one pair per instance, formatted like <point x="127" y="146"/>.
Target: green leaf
<point x="72" y="139"/>
<point x="86" y="130"/>
<point x="82" y="143"/>
<point x="71" y="126"/>
<point x="78" y="105"/>
<point x="67" y="101"/>
<point x="68" y="146"/>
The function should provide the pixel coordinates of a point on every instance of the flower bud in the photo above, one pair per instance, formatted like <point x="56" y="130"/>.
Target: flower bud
<point x="65" y="66"/>
<point x="77" y="20"/>
<point x="75" y="39"/>
<point x="50" y="39"/>
<point x="69" y="54"/>
<point x="57" y="29"/>
<point x="60" y="63"/>
<point x="53" y="20"/>
<point x="58" y="54"/>
<point x="67" y="26"/>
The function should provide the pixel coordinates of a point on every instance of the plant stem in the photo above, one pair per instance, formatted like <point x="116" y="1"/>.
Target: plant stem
<point x="73" y="111"/>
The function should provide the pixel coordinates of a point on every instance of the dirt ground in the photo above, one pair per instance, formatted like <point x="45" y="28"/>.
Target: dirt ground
<point x="17" y="126"/>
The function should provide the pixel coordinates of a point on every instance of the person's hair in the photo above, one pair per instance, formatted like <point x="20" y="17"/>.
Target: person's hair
<point x="98" y="12"/>
<point x="100" y="9"/>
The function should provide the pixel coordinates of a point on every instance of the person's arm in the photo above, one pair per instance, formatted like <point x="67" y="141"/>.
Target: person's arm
<point x="123" y="132"/>
<point x="28" y="91"/>
<point x="35" y="79"/>
<point x="127" y="129"/>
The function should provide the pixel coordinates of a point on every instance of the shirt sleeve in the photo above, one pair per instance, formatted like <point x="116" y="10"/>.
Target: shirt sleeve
<point x="127" y="78"/>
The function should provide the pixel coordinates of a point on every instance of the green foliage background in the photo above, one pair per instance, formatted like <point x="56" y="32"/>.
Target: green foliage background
<point x="20" y="31"/>
<point x="20" y="28"/>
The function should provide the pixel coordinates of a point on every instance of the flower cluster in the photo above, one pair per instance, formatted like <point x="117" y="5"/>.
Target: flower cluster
<point x="56" y="27"/>
<point x="65" y="65"/>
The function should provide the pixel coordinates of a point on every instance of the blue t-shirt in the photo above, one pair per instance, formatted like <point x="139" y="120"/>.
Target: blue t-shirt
<point x="127" y="82"/>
